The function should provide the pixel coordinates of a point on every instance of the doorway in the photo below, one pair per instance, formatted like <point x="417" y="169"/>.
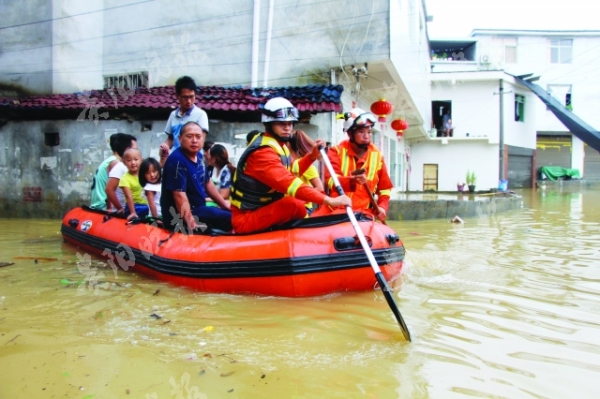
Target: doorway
<point x="438" y="109"/>
<point x="430" y="177"/>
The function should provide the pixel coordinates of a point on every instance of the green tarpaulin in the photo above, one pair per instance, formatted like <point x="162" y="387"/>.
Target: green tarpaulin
<point x="557" y="172"/>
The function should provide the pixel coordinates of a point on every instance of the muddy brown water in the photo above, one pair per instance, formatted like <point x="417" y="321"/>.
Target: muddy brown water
<point x="504" y="306"/>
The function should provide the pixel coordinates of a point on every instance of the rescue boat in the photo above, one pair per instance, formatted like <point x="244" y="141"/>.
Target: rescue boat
<point x="310" y="257"/>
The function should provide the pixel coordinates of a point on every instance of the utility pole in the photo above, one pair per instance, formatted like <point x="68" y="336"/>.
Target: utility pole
<point x="501" y="126"/>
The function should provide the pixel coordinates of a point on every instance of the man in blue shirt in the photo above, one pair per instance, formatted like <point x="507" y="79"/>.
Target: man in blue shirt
<point x="185" y="88"/>
<point x="185" y="186"/>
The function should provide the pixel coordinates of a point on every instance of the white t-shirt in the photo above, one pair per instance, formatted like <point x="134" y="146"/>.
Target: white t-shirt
<point x="117" y="172"/>
<point x="156" y="189"/>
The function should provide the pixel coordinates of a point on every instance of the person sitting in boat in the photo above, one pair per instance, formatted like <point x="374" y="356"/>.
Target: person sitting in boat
<point x="222" y="170"/>
<point x="114" y="195"/>
<point x="300" y="145"/>
<point x="137" y="206"/>
<point x="359" y="166"/>
<point x="119" y="142"/>
<point x="150" y="177"/>
<point x="265" y="192"/>
<point x="185" y="186"/>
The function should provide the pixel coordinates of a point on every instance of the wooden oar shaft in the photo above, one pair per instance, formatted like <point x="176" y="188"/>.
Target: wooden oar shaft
<point x="387" y="293"/>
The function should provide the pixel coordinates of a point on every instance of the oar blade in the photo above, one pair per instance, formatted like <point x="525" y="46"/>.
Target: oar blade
<point x="387" y="293"/>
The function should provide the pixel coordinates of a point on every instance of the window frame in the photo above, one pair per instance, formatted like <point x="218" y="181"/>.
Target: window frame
<point x="519" y="107"/>
<point x="561" y="47"/>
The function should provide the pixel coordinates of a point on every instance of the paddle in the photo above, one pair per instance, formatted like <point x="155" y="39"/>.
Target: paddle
<point x="387" y="293"/>
<point x="371" y="198"/>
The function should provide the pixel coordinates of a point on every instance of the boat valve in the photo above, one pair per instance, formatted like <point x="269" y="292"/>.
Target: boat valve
<point x="392" y="238"/>
<point x="73" y="223"/>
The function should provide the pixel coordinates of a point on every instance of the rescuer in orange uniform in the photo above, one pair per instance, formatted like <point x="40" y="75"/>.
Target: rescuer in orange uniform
<point x="356" y="154"/>
<point x="264" y="192"/>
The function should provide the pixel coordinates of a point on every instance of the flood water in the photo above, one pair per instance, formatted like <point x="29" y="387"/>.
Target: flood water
<point x="504" y="306"/>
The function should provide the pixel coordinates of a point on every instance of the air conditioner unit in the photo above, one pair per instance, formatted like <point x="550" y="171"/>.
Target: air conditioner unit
<point x="484" y="59"/>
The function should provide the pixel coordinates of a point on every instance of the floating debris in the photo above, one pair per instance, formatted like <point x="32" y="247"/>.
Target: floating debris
<point x="457" y="219"/>
<point x="156" y="293"/>
<point x="227" y="374"/>
<point x="4" y="264"/>
<point x="156" y="316"/>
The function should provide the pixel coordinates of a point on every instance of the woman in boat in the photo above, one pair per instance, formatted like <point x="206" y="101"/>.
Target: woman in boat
<point x="300" y="145"/>
<point x="222" y="170"/>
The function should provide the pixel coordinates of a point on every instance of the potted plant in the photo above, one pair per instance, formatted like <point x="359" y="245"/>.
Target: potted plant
<point x="460" y="187"/>
<point x="471" y="181"/>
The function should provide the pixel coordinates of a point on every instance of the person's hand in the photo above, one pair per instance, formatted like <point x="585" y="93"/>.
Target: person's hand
<point x="163" y="152"/>
<point x="188" y="217"/>
<point x="131" y="216"/>
<point x="360" y="178"/>
<point x="338" y="201"/>
<point x="120" y="211"/>
<point x="315" y="153"/>
<point x="381" y="215"/>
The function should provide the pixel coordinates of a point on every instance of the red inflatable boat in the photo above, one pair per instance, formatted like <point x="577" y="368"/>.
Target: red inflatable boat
<point x="314" y="256"/>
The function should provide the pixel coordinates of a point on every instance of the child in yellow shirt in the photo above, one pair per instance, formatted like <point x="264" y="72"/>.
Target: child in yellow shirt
<point x="137" y="205"/>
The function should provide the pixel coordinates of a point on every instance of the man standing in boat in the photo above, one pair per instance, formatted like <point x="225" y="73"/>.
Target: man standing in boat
<point x="359" y="166"/>
<point x="185" y="88"/>
<point x="265" y="193"/>
<point x="185" y="186"/>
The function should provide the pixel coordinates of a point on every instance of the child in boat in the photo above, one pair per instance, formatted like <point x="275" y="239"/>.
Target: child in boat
<point x="150" y="177"/>
<point x="221" y="173"/>
<point x="137" y="206"/>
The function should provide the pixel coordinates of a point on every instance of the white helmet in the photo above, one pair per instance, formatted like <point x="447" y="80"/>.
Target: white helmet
<point x="279" y="109"/>
<point x="358" y="118"/>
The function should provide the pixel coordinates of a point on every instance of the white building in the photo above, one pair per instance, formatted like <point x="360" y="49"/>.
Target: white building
<point x="375" y="49"/>
<point x="567" y="64"/>
<point x="473" y="99"/>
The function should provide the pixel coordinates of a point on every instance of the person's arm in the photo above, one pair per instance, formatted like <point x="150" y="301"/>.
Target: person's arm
<point x="213" y="193"/>
<point x="384" y="191"/>
<point x="163" y="151"/>
<point x="111" y="165"/>
<point x="111" y="193"/>
<point x="265" y="166"/>
<point x="225" y="193"/>
<point x="317" y="184"/>
<point x="182" y="204"/>
<point x="130" y="204"/>
<point x="152" y="204"/>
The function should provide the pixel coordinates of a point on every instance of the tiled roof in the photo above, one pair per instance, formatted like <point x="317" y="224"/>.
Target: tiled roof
<point x="313" y="98"/>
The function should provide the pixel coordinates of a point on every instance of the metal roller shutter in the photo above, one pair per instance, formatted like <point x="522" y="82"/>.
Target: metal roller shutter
<point x="519" y="167"/>
<point x="591" y="165"/>
<point x="553" y="151"/>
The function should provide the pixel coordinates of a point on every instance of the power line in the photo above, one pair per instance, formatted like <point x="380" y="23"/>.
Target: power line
<point x="71" y="16"/>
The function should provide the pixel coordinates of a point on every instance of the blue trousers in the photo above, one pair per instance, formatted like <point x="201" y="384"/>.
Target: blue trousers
<point x="213" y="217"/>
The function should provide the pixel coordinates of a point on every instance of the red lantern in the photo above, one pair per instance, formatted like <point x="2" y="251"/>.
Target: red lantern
<point x="382" y="109"/>
<point x="399" y="125"/>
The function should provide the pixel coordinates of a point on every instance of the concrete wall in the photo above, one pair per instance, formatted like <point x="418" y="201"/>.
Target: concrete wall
<point x="212" y="41"/>
<point x="454" y="159"/>
<point x="77" y="45"/>
<point x="25" y="64"/>
<point x="40" y="181"/>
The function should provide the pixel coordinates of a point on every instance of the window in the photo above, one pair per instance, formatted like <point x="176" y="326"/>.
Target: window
<point x="561" y="51"/>
<point x="519" y="108"/>
<point x="510" y="50"/>
<point x="126" y="81"/>
<point x="562" y="93"/>
<point x="504" y="49"/>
